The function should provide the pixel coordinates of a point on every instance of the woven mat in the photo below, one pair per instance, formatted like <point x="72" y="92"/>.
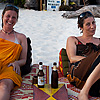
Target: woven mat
<point x="72" y="90"/>
<point x="25" y="92"/>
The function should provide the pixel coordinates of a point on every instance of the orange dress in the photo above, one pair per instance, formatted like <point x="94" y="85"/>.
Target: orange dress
<point x="9" y="52"/>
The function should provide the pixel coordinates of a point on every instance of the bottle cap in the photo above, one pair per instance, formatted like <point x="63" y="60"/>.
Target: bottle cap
<point x="40" y="66"/>
<point x="54" y="66"/>
<point x="40" y="63"/>
<point x="55" y="63"/>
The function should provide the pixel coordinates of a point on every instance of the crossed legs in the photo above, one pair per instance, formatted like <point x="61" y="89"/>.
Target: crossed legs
<point x="94" y="76"/>
<point x="6" y="85"/>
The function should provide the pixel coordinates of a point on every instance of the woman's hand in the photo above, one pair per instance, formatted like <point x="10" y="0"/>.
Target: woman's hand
<point x="16" y="67"/>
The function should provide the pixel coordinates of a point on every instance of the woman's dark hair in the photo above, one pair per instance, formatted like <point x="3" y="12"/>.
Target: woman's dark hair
<point x="83" y="16"/>
<point x="10" y="7"/>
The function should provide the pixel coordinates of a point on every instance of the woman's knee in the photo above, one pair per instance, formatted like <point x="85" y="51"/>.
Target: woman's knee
<point x="6" y="85"/>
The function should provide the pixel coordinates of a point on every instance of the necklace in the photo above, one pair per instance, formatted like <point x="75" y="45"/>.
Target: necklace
<point x="7" y="32"/>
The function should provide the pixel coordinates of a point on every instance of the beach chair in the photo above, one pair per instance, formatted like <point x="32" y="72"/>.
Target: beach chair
<point x="27" y="67"/>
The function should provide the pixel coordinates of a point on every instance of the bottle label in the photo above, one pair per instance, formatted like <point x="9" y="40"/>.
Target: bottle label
<point x="54" y="68"/>
<point x="40" y="80"/>
<point x="40" y="67"/>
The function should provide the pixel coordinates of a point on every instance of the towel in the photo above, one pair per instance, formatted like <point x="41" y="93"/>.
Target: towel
<point x="9" y="52"/>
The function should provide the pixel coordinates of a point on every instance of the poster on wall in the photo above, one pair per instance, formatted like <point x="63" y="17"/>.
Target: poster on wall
<point x="53" y="5"/>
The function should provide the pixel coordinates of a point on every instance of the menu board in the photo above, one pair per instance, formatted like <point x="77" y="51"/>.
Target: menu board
<point x="53" y="5"/>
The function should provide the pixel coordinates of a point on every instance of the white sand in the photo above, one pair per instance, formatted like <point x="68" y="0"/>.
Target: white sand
<point x="48" y="32"/>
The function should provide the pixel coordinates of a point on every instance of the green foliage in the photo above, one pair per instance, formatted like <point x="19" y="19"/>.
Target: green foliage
<point x="19" y="3"/>
<point x="64" y="8"/>
<point x="3" y="1"/>
<point x="62" y="2"/>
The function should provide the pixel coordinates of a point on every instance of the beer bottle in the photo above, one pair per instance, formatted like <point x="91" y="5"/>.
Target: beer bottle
<point x="40" y="76"/>
<point x="54" y="76"/>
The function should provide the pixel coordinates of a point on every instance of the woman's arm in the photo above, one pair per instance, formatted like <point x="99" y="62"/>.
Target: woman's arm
<point x="23" y="56"/>
<point x="71" y="50"/>
<point x="22" y="60"/>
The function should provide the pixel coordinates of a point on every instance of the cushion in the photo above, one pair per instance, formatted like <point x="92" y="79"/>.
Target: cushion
<point x="63" y="62"/>
<point x="27" y="67"/>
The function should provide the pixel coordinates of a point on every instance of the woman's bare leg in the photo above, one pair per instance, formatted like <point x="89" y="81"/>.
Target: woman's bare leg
<point x="94" y="76"/>
<point x="6" y="85"/>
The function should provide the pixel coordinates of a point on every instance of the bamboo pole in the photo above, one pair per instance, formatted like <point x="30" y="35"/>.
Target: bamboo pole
<point x="84" y="2"/>
<point x="40" y="5"/>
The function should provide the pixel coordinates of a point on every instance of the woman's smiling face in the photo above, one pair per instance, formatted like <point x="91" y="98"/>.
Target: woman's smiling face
<point x="9" y="18"/>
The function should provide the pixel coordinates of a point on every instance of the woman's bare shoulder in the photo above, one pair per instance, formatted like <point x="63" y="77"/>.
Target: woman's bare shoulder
<point x="71" y="38"/>
<point x="20" y="35"/>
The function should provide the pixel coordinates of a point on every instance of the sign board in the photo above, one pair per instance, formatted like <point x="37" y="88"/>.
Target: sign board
<point x="53" y="5"/>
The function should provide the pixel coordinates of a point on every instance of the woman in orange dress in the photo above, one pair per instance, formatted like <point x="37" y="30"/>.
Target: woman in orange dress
<point x="13" y="52"/>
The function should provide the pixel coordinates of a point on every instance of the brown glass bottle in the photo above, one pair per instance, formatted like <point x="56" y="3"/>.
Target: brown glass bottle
<point x="54" y="76"/>
<point x="40" y="76"/>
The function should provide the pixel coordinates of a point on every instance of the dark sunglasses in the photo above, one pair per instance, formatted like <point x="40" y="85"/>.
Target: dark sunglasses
<point x="9" y="5"/>
<point x="85" y="13"/>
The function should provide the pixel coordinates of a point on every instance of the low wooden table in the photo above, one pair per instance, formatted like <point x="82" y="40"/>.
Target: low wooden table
<point x="48" y="93"/>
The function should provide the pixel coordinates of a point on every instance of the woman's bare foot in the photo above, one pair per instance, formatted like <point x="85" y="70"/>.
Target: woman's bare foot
<point x="82" y="96"/>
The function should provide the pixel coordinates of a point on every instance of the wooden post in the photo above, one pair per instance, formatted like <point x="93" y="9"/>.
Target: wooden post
<point x="86" y="2"/>
<point x="67" y="2"/>
<point x="40" y="5"/>
<point x="78" y="2"/>
<point x="64" y="2"/>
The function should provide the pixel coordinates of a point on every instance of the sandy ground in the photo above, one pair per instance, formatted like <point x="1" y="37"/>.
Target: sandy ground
<point x="48" y="32"/>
